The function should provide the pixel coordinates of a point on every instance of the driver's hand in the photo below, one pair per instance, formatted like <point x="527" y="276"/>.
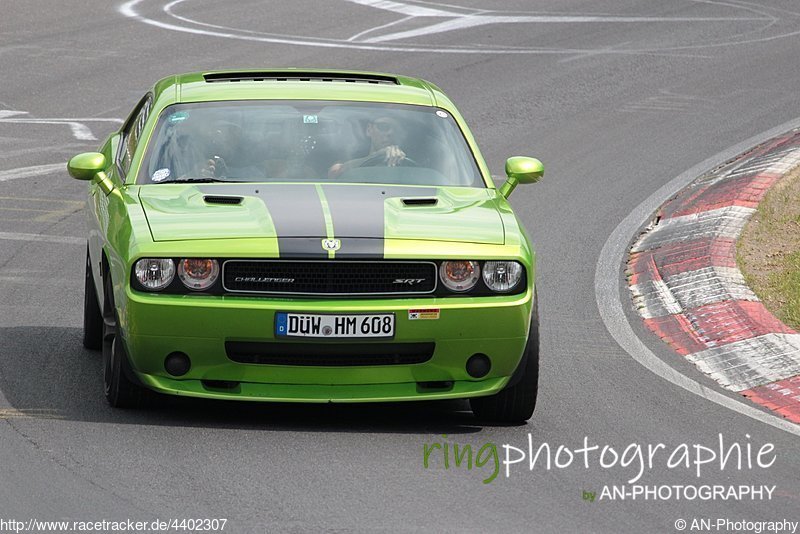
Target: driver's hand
<point x="394" y="155"/>
<point x="335" y="170"/>
<point x="214" y="168"/>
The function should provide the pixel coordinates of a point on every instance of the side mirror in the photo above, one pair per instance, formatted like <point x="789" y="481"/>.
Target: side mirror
<point x="86" y="166"/>
<point x="521" y="170"/>
<point x="90" y="166"/>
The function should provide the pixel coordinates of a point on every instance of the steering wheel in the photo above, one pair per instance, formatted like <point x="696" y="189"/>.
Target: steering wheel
<point x="379" y="159"/>
<point x="307" y="144"/>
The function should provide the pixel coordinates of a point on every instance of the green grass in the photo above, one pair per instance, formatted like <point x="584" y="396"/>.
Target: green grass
<point x="768" y="251"/>
<point x="787" y="284"/>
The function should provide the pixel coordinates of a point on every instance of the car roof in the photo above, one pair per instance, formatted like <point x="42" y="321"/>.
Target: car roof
<point x="297" y="83"/>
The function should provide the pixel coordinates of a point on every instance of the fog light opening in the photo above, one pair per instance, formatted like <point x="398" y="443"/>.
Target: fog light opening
<point x="177" y="363"/>
<point x="478" y="365"/>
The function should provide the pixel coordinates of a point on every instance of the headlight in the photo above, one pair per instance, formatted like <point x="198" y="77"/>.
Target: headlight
<point x="198" y="274"/>
<point x="502" y="276"/>
<point x="460" y="275"/>
<point x="155" y="273"/>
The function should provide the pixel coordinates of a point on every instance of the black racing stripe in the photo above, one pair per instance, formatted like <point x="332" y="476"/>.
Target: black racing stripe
<point x="357" y="213"/>
<point x="301" y="248"/>
<point x="358" y="248"/>
<point x="296" y="213"/>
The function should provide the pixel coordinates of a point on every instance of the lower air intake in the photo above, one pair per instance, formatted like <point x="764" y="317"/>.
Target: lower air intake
<point x="329" y="354"/>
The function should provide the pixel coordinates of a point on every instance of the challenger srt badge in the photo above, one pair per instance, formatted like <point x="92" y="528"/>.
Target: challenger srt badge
<point x="331" y="244"/>
<point x="408" y="281"/>
<point x="264" y="280"/>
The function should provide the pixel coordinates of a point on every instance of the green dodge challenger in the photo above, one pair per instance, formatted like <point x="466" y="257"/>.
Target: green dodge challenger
<point x="307" y="236"/>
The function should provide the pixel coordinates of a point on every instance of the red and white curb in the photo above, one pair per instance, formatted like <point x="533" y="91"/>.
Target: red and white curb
<point x="684" y="281"/>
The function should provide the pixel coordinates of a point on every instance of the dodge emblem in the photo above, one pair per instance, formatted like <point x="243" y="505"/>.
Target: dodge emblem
<point x="331" y="244"/>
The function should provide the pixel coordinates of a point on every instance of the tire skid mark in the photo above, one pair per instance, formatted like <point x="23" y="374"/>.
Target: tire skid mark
<point x="34" y="413"/>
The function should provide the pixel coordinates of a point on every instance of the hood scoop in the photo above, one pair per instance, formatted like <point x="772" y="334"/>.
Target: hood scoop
<point x="226" y="200"/>
<point x="420" y="201"/>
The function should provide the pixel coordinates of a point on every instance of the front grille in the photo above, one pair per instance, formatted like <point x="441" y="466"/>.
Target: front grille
<point x="329" y="354"/>
<point x="329" y="277"/>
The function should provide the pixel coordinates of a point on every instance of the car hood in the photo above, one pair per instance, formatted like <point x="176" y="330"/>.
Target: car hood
<point x="179" y="212"/>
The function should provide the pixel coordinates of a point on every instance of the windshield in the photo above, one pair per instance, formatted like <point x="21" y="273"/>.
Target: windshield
<point x="278" y="141"/>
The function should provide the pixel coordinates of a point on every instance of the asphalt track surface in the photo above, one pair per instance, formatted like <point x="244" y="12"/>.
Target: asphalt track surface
<point x="617" y="98"/>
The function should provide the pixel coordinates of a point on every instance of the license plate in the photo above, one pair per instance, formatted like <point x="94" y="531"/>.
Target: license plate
<point x="379" y="325"/>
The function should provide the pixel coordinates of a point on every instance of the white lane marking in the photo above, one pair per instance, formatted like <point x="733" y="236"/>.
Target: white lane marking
<point x="40" y="281"/>
<point x="236" y="33"/>
<point x="5" y="113"/>
<point x="405" y="9"/>
<point x="65" y="239"/>
<point x="34" y="170"/>
<point x="79" y="130"/>
<point x="376" y="28"/>
<point x="471" y="21"/>
<point x="608" y="280"/>
<point x="129" y="9"/>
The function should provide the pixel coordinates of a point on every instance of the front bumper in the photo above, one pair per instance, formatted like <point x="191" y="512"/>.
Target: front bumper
<point x="155" y="325"/>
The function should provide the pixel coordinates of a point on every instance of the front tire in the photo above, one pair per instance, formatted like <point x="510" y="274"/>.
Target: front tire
<point x="516" y="402"/>
<point x="120" y="392"/>
<point x="92" y="315"/>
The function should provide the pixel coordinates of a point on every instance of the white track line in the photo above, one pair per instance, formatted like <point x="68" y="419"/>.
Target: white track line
<point x="405" y="9"/>
<point x="67" y="239"/>
<point x="461" y="20"/>
<point x="35" y="170"/>
<point x="471" y="21"/>
<point x="609" y="278"/>
<point x="79" y="130"/>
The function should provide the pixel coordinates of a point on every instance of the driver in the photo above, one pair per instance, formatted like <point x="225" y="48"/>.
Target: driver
<point x="385" y="134"/>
